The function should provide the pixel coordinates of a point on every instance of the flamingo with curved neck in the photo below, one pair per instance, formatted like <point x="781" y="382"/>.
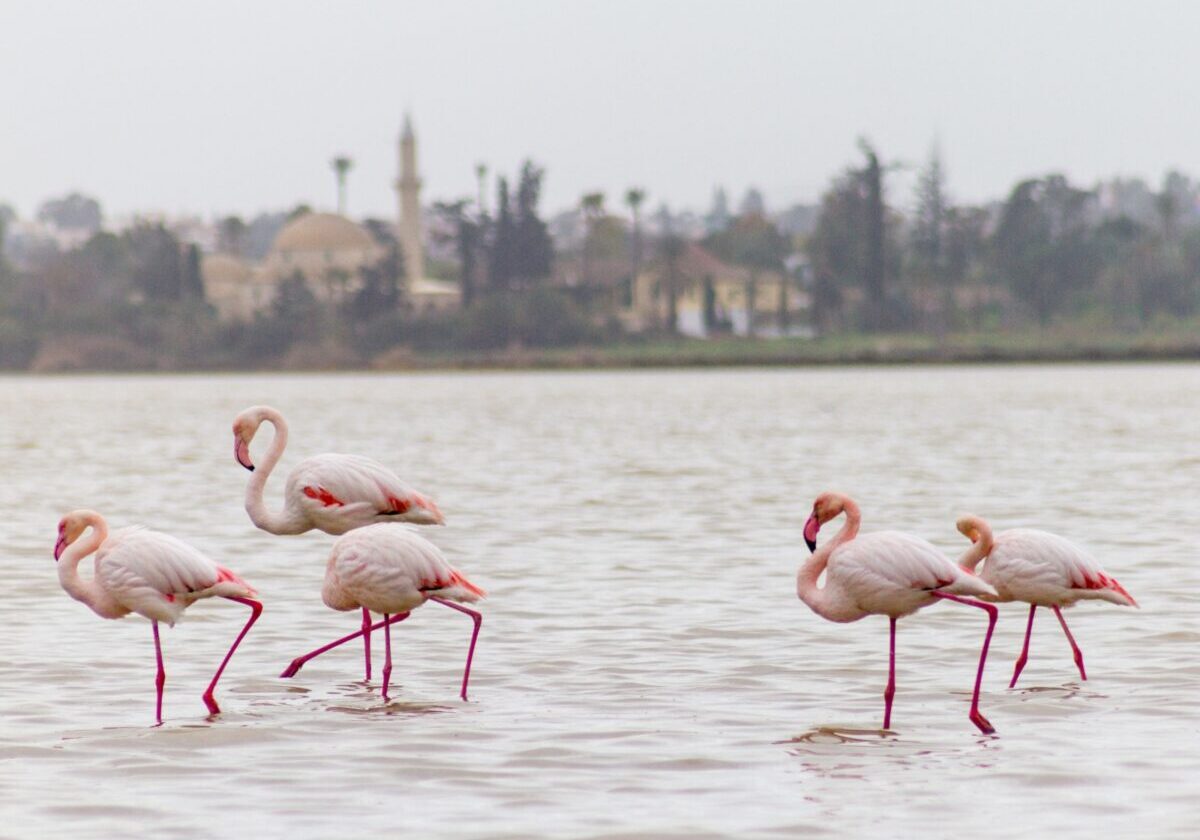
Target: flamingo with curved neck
<point x="330" y="492"/>
<point x="148" y="573"/>
<point x="884" y="573"/>
<point x="1042" y="569"/>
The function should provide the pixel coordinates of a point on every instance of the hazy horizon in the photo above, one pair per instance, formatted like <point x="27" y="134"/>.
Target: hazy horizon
<point x="218" y="108"/>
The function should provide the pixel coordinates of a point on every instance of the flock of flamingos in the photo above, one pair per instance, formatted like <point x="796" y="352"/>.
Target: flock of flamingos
<point x="379" y="565"/>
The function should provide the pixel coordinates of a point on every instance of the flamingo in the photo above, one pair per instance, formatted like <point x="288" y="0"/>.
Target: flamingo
<point x="330" y="492"/>
<point x="1042" y="569"/>
<point x="390" y="569"/>
<point x="151" y="574"/>
<point x="884" y="573"/>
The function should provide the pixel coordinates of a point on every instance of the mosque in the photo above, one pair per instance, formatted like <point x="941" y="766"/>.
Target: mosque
<point x="329" y="250"/>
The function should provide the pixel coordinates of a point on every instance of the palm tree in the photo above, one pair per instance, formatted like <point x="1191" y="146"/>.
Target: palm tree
<point x="481" y="171"/>
<point x="634" y="197"/>
<point x="341" y="165"/>
<point x="592" y="206"/>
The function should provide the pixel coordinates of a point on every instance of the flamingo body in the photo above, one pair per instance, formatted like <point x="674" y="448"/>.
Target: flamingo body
<point x="338" y="493"/>
<point x="158" y="576"/>
<point x="895" y="574"/>
<point x="390" y="569"/>
<point x="1047" y="570"/>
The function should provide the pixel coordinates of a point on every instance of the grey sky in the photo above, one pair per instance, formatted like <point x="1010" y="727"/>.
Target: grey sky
<point x="223" y="107"/>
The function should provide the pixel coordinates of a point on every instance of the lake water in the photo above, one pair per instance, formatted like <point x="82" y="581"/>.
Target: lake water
<point x="645" y="668"/>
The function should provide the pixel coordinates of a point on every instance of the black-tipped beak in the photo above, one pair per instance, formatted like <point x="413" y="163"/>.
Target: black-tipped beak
<point x="59" y="548"/>
<point x="241" y="453"/>
<point x="811" y="526"/>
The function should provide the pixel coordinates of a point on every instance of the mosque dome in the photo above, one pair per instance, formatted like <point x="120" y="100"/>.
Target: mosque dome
<point x="321" y="232"/>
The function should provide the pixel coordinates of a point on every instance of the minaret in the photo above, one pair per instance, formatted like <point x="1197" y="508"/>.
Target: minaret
<point x="408" y="188"/>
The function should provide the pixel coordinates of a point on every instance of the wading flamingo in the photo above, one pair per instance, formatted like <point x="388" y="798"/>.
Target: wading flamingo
<point x="392" y="570"/>
<point x="332" y="493"/>
<point x="884" y="573"/>
<point x="1040" y="568"/>
<point x="151" y="574"/>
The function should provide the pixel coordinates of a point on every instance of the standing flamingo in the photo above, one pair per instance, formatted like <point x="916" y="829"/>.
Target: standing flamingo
<point x="884" y="573"/>
<point x="390" y="569"/>
<point x="332" y="493"/>
<point x="151" y="574"/>
<point x="1042" y="569"/>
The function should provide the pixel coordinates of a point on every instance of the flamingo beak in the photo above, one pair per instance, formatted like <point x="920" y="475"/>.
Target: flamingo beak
<point x="811" y="526"/>
<point x="241" y="453"/>
<point x="60" y="546"/>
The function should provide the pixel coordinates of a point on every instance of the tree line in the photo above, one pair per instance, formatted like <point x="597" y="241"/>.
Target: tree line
<point x="1119" y="256"/>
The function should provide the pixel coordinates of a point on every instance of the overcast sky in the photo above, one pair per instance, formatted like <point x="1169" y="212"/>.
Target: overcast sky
<point x="219" y="107"/>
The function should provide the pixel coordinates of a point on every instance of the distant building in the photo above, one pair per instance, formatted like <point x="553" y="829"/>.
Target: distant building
<point x="714" y="297"/>
<point x="330" y="251"/>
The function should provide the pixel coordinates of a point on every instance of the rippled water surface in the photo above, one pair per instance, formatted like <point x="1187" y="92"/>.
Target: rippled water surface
<point x="644" y="669"/>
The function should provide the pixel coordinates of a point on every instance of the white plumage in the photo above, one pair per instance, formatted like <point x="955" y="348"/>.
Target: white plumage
<point x="339" y="493"/>
<point x="158" y="576"/>
<point x="892" y="573"/>
<point x="333" y="493"/>
<point x="390" y="569"/>
<point x="1041" y="568"/>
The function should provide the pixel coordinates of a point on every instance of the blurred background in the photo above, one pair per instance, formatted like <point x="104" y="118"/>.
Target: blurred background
<point x="226" y="185"/>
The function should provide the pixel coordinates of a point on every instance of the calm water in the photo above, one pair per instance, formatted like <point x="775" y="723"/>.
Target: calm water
<point x="645" y="669"/>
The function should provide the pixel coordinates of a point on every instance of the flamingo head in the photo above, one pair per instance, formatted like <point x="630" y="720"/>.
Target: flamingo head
<point x="69" y="529"/>
<point x="245" y="426"/>
<point x="826" y="507"/>
<point x="972" y="527"/>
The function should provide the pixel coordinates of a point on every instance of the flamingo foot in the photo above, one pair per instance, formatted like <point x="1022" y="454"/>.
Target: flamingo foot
<point x="211" y="702"/>
<point x="979" y="720"/>
<point x="293" y="669"/>
<point x="1020" y="666"/>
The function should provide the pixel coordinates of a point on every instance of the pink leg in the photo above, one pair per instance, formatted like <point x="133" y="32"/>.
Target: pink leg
<point x="890" y="691"/>
<point x="255" y="612"/>
<point x="298" y="663"/>
<point x="387" y="655"/>
<point x="161" y="678"/>
<point x="478" y="619"/>
<point x="1074" y="647"/>
<point x="1024" y="657"/>
<point x="977" y="718"/>
<point x="366" y="626"/>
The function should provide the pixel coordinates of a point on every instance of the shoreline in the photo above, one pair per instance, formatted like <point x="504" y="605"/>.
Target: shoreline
<point x="1171" y="345"/>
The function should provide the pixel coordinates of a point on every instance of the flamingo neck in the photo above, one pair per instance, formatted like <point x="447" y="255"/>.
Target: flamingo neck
<point x="90" y="592"/>
<point x="830" y="602"/>
<point x="285" y="521"/>
<point x="980" y="547"/>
